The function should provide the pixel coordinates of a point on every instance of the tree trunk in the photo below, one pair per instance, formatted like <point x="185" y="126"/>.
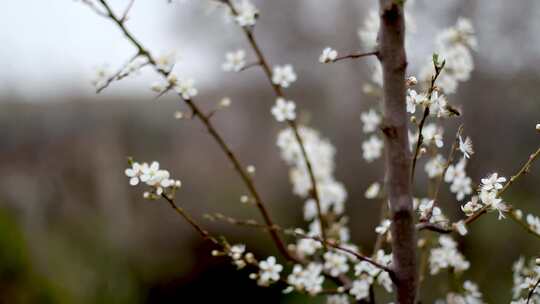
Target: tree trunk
<point x="397" y="155"/>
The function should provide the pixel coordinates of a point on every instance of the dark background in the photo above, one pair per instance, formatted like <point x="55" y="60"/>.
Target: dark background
<point x="73" y="231"/>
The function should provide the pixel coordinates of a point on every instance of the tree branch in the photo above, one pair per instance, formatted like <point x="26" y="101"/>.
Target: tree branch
<point x="213" y="132"/>
<point x="397" y="157"/>
<point x="292" y="124"/>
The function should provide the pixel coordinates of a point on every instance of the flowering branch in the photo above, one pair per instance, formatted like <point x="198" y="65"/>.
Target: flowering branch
<point x="531" y="292"/>
<point x="472" y="218"/>
<point x="213" y="132"/>
<point x="203" y="232"/>
<point x="438" y="69"/>
<point x="346" y="250"/>
<point x="441" y="177"/>
<point x="292" y="123"/>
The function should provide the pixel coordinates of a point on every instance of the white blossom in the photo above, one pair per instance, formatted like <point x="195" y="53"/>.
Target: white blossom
<point x="360" y="289"/>
<point x="447" y="256"/>
<point x="383" y="227"/>
<point x="438" y="105"/>
<point x="433" y="135"/>
<point x="234" y="61"/>
<point x="166" y="61"/>
<point x="328" y="55"/>
<point x="247" y="13"/>
<point x="461" y="186"/>
<point x="491" y="199"/>
<point x="413" y="99"/>
<point x="152" y="176"/>
<point x="435" y="166"/>
<point x="284" y="110"/>
<point x="337" y="299"/>
<point x="372" y="148"/>
<point x="371" y="120"/>
<point x="268" y="271"/>
<point x="335" y="263"/>
<point x="186" y="87"/>
<point x="307" y="279"/>
<point x="283" y="75"/>
<point x="373" y="190"/>
<point x="534" y="223"/>
<point x="466" y="147"/>
<point x="493" y="182"/>
<point x="471" y="206"/>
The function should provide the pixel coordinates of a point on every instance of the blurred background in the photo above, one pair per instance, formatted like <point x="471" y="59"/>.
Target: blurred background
<point x="73" y="231"/>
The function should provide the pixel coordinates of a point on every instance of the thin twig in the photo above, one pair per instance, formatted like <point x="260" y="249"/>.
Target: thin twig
<point x="346" y="250"/>
<point x="531" y="292"/>
<point x="118" y="75"/>
<point x="453" y="149"/>
<point x="126" y="11"/>
<point x="355" y="55"/>
<point x="420" y="139"/>
<point x="472" y="218"/>
<point x="203" y="232"/>
<point x="279" y="93"/>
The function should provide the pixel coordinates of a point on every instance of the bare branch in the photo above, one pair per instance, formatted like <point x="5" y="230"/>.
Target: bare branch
<point x="355" y="55"/>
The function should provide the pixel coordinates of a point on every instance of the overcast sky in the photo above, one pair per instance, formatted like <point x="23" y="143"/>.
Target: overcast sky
<point x="52" y="47"/>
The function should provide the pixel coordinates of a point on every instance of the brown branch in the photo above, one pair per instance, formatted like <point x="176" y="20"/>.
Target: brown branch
<point x="279" y="93"/>
<point x="346" y="250"/>
<point x="126" y="11"/>
<point x="420" y="139"/>
<point x="441" y="177"/>
<point x="472" y="218"/>
<point x="397" y="157"/>
<point x="355" y="55"/>
<point x="213" y="132"/>
<point x="203" y="232"/>
<point x="531" y="292"/>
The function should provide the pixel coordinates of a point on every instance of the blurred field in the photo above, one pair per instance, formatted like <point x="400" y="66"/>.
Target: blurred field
<point x="73" y="231"/>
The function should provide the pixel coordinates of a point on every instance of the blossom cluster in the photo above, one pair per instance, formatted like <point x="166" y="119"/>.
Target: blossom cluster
<point x="525" y="276"/>
<point x="158" y="179"/>
<point x="447" y="256"/>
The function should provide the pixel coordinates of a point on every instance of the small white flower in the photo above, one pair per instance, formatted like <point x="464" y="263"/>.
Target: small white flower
<point x="538" y="127"/>
<point x="234" y="61"/>
<point x="383" y="227"/>
<point x="133" y="173"/>
<point x="360" y="289"/>
<point x="337" y="299"/>
<point x="493" y="182"/>
<point x="371" y="120"/>
<point x="269" y="271"/>
<point x="166" y="61"/>
<point x="335" y="263"/>
<point x="435" y="166"/>
<point x="186" y="87"/>
<point x="247" y="13"/>
<point x="307" y="279"/>
<point x="372" y="148"/>
<point x="283" y="75"/>
<point x="433" y="134"/>
<point x="471" y="206"/>
<point x="461" y="186"/>
<point x="328" y="55"/>
<point x="284" y="110"/>
<point x="437" y="105"/>
<point x="413" y="99"/>
<point x="490" y="198"/>
<point x="466" y="147"/>
<point x="460" y="228"/>
<point x="373" y="190"/>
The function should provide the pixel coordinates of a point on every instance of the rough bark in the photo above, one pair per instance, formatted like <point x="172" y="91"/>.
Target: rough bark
<point x="397" y="156"/>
